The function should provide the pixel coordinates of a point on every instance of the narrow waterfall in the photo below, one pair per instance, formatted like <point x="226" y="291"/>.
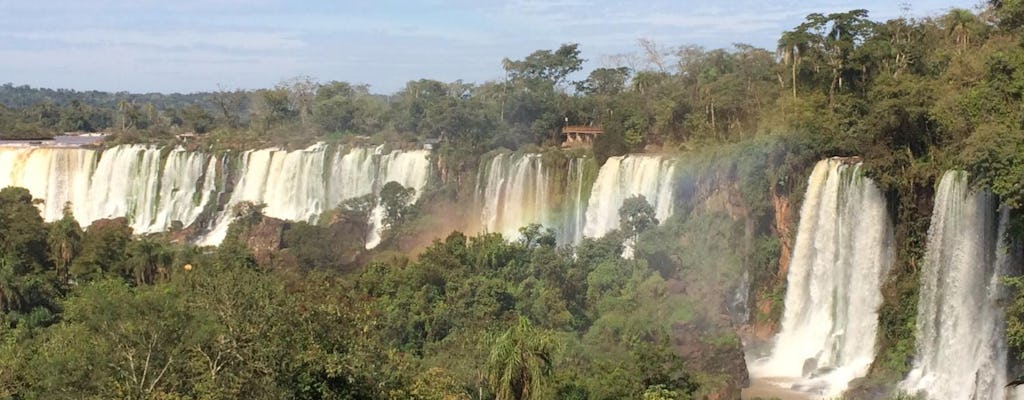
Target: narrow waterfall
<point x="842" y="251"/>
<point x="515" y="190"/>
<point x="150" y="187"/>
<point x="515" y="194"/>
<point x="572" y="230"/>
<point x="623" y="177"/>
<point x="961" y="350"/>
<point x="411" y="169"/>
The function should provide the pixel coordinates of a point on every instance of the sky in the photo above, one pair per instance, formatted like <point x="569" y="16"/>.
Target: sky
<point x="201" y="45"/>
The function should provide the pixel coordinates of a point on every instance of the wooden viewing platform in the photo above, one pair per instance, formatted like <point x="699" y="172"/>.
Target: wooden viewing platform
<point x="580" y="135"/>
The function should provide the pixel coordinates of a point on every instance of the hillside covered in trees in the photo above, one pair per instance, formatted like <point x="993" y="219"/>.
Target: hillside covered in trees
<point x="103" y="313"/>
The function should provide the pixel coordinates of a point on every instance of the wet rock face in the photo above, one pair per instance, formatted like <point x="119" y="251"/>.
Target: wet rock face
<point x="715" y="350"/>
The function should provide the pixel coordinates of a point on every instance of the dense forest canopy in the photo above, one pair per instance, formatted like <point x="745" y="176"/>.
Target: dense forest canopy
<point x="103" y="313"/>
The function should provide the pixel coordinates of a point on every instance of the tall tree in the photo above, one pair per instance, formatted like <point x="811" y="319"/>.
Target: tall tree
<point x="791" y="48"/>
<point x="545" y="65"/>
<point x="521" y="361"/>
<point x="22" y="232"/>
<point x="65" y="242"/>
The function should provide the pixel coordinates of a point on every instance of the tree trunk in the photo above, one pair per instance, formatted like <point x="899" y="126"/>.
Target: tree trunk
<point x="794" y="78"/>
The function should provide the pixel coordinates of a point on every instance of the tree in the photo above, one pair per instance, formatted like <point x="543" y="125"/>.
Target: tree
<point x="605" y="81"/>
<point x="147" y="258"/>
<point x="536" y="235"/>
<point x="792" y="45"/>
<point x="636" y="216"/>
<point x="104" y="248"/>
<point x="961" y="26"/>
<point x="229" y="104"/>
<point x="1010" y="13"/>
<point x="545" y="65"/>
<point x="197" y="119"/>
<point x="396" y="200"/>
<point x="272" y="107"/>
<point x="521" y="360"/>
<point x="65" y="241"/>
<point x="10" y="292"/>
<point x="22" y="232"/>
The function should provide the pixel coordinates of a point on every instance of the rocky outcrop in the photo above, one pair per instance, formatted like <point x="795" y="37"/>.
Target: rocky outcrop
<point x="265" y="239"/>
<point x="783" y="227"/>
<point x="716" y="353"/>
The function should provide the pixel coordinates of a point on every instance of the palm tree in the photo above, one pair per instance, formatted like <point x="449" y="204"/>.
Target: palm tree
<point x="148" y="257"/>
<point x="960" y="24"/>
<point x="792" y="45"/>
<point x="65" y="243"/>
<point x="520" y="360"/>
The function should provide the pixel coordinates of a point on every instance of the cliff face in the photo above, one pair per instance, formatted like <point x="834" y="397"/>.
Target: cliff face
<point x="713" y="353"/>
<point x="717" y="217"/>
<point x="265" y="239"/>
<point x="783" y="219"/>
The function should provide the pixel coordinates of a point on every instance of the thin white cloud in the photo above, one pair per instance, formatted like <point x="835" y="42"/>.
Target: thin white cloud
<point x="229" y="40"/>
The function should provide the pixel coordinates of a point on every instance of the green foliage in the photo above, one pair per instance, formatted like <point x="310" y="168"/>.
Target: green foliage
<point x="545" y="66"/>
<point x="1015" y="315"/>
<point x="22" y="233"/>
<point x="104" y="249"/>
<point x="520" y="362"/>
<point x="636" y="216"/>
<point x="396" y="200"/>
<point x="65" y="243"/>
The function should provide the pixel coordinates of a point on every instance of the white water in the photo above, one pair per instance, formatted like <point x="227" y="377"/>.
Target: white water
<point x="842" y="251"/>
<point x="131" y="181"/>
<point x="300" y="185"/>
<point x="515" y="190"/>
<point x="961" y="351"/>
<point x="572" y="231"/>
<point x="411" y="169"/>
<point x="153" y="188"/>
<point x="623" y="177"/>
<point x="515" y="193"/>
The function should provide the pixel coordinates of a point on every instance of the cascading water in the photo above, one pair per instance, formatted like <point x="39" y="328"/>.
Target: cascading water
<point x="411" y="169"/>
<point x="515" y="194"/>
<point x="961" y="350"/>
<point x="572" y="230"/>
<point x="153" y="188"/>
<point x="300" y="185"/>
<point x="290" y="184"/>
<point x="625" y="176"/>
<point x="843" y="249"/>
<point x="515" y="190"/>
<point x="149" y="188"/>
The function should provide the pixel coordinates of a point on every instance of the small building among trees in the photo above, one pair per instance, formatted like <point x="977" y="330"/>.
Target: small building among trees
<point x="580" y="135"/>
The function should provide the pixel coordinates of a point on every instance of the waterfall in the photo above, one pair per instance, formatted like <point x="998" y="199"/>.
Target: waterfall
<point x="411" y="169"/>
<point x="154" y="187"/>
<point x="573" y="226"/>
<point x="961" y="350"/>
<point x="625" y="176"/>
<point x="352" y="174"/>
<point x="842" y="251"/>
<point x="142" y="183"/>
<point x="300" y="185"/>
<point x="515" y="194"/>
<point x="290" y="184"/>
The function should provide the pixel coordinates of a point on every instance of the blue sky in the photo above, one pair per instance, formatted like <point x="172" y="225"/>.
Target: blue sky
<point x="192" y="45"/>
